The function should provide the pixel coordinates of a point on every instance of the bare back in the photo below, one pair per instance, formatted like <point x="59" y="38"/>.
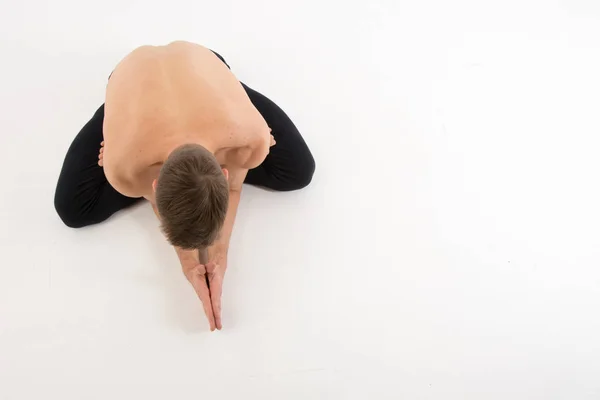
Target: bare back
<point x="161" y="97"/>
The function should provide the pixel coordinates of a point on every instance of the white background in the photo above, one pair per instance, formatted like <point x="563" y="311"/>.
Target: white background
<point x="447" y="248"/>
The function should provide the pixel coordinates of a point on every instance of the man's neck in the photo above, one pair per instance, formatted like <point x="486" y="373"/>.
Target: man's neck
<point x="185" y="140"/>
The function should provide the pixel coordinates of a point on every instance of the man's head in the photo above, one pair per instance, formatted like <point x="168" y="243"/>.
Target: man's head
<point x="192" y="195"/>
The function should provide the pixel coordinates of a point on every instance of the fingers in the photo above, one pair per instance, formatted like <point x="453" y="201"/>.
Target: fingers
<point x="216" y="289"/>
<point x="101" y="155"/>
<point x="199" y="283"/>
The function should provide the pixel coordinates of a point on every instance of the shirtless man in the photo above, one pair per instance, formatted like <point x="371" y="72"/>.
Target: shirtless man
<point x="179" y="130"/>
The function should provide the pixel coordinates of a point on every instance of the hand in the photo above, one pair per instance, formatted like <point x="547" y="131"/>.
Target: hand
<point x="101" y="155"/>
<point x="207" y="281"/>
<point x="197" y="276"/>
<point x="215" y="270"/>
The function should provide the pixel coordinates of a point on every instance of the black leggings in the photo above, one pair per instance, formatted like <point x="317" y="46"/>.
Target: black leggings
<point x="84" y="196"/>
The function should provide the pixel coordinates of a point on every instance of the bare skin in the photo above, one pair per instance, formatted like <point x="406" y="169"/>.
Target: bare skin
<point x="161" y="97"/>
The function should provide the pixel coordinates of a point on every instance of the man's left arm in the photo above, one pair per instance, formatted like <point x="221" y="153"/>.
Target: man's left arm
<point x="236" y="179"/>
<point x="215" y="257"/>
<point x="216" y="254"/>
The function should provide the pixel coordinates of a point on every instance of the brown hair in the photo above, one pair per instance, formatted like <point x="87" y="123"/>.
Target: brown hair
<point x="192" y="195"/>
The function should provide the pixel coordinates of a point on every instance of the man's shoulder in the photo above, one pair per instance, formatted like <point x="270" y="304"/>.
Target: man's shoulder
<point x="121" y="176"/>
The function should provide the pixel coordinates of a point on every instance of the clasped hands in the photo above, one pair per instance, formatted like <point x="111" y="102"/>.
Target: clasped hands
<point x="206" y="276"/>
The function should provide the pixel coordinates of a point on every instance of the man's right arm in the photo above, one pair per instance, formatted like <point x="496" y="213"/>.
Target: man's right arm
<point x="188" y="258"/>
<point x="116" y="180"/>
<point x="195" y="272"/>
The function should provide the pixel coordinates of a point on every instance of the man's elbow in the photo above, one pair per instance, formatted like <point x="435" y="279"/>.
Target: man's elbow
<point x="119" y="184"/>
<point x="258" y="155"/>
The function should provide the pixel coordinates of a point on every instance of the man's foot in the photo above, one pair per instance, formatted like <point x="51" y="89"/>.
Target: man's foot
<point x="101" y="155"/>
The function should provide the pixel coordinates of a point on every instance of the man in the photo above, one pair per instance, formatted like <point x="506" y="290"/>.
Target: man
<point x="178" y="129"/>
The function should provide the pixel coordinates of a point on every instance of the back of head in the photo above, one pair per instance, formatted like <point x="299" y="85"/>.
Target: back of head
<point x="192" y="195"/>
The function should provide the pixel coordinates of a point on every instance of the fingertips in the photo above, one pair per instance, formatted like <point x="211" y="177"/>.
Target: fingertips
<point x="219" y="322"/>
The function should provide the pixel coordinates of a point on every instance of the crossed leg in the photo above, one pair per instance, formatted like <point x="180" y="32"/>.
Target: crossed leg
<point x="84" y="197"/>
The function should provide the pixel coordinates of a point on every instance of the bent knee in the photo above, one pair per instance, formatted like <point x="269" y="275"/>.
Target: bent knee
<point x="307" y="172"/>
<point x="68" y="217"/>
<point x="302" y="176"/>
<point x="68" y="213"/>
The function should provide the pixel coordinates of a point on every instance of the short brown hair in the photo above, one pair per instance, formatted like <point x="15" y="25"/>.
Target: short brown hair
<point x="192" y="195"/>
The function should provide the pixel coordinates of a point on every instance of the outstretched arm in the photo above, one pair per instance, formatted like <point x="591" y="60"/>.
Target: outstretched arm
<point x="205" y="268"/>
<point x="217" y="253"/>
<point x="196" y="274"/>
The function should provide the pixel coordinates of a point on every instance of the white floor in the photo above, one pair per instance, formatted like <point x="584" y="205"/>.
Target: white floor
<point x="449" y="247"/>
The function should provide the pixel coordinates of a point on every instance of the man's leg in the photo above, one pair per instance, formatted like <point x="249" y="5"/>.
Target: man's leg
<point x="290" y="164"/>
<point x="83" y="195"/>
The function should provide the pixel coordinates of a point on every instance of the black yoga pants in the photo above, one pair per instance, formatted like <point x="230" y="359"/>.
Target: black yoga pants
<point x="84" y="197"/>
